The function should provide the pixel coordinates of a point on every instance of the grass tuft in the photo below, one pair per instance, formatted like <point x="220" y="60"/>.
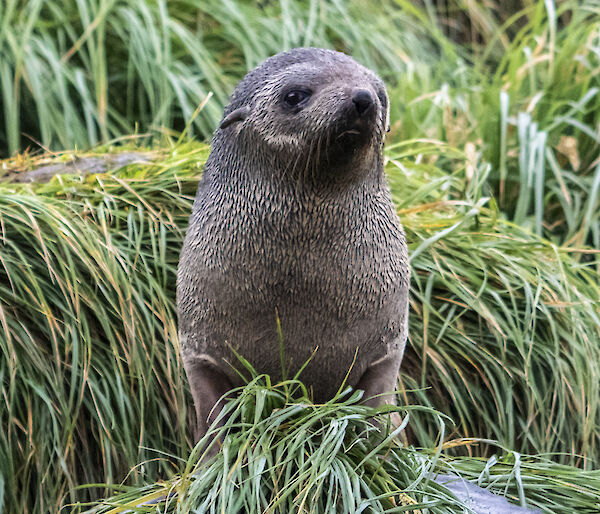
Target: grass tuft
<point x="503" y="326"/>
<point x="282" y="453"/>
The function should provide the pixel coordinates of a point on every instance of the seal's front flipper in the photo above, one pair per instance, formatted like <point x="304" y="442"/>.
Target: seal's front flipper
<point x="207" y="384"/>
<point x="379" y="381"/>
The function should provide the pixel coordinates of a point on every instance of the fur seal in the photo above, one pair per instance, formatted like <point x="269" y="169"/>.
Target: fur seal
<point x="293" y="220"/>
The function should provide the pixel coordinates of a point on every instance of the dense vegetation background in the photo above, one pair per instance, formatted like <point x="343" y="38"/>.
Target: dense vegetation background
<point x="493" y="162"/>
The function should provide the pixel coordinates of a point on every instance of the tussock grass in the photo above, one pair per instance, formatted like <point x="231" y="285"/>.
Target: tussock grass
<point x="504" y="325"/>
<point x="85" y="357"/>
<point x="74" y="74"/>
<point x="498" y="110"/>
<point x="517" y="83"/>
<point x="282" y="453"/>
<point x="523" y="97"/>
<point x="495" y="310"/>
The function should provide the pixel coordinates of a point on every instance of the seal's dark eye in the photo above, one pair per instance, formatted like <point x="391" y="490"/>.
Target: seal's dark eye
<point x="295" y="97"/>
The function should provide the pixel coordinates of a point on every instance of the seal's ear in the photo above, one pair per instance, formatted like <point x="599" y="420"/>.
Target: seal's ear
<point x="238" y="115"/>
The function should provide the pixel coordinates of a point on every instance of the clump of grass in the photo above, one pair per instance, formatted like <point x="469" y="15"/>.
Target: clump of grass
<point x="283" y="453"/>
<point x="541" y="129"/>
<point x="88" y="342"/>
<point x="490" y="78"/>
<point x="503" y="329"/>
<point x="506" y="98"/>
<point x="75" y="74"/>
<point x="504" y="323"/>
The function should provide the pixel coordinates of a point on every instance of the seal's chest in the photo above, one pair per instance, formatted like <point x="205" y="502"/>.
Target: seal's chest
<point x="339" y="265"/>
<point x="341" y="251"/>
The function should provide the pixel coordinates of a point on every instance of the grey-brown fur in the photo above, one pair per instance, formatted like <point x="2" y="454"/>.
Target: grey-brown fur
<point x="293" y="215"/>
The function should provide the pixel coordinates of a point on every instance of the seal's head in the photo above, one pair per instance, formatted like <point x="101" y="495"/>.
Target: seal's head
<point x="309" y="110"/>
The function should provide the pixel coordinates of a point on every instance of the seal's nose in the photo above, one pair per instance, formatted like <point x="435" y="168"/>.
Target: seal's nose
<point x="363" y="100"/>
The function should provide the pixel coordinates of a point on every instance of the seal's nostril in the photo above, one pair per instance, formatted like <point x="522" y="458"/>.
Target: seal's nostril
<point x="362" y="100"/>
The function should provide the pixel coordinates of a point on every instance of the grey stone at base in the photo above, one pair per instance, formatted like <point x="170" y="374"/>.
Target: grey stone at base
<point x="479" y="500"/>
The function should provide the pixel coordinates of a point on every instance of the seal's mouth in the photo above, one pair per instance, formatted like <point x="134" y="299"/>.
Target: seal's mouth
<point x="350" y="132"/>
<point x="354" y="128"/>
<point x="355" y="134"/>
